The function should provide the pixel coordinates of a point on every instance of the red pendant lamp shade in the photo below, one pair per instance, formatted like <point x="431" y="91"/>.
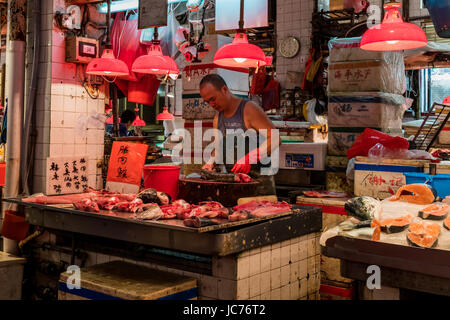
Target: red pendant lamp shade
<point x="107" y="66"/>
<point x="393" y="33"/>
<point x="165" y="115"/>
<point x="155" y="63"/>
<point x="241" y="54"/>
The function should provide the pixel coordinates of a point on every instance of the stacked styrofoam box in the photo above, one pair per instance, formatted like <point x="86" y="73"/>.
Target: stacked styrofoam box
<point x="194" y="108"/>
<point x="364" y="90"/>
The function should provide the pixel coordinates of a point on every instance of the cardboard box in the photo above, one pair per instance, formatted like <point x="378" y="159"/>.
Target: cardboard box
<point x="368" y="109"/>
<point x="348" y="49"/>
<point x="381" y="180"/>
<point x="368" y="75"/>
<point x="340" y="139"/>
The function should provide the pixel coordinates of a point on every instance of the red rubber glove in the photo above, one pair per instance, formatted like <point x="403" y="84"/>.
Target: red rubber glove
<point x="243" y="165"/>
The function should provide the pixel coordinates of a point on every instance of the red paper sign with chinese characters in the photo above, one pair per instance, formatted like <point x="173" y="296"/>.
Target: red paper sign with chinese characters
<point x="127" y="162"/>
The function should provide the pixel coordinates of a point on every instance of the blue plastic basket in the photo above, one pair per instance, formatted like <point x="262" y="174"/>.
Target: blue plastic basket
<point x="440" y="182"/>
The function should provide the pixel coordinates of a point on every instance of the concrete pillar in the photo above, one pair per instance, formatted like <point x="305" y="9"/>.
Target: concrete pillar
<point x="14" y="92"/>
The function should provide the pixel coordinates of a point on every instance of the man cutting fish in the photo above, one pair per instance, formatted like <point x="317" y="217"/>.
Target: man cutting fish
<point x="234" y="122"/>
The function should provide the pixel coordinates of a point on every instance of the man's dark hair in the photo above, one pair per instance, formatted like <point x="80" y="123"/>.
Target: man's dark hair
<point x="127" y="115"/>
<point x="214" y="79"/>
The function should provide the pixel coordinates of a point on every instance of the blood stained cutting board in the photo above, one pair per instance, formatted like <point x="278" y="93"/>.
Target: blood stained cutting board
<point x="227" y="193"/>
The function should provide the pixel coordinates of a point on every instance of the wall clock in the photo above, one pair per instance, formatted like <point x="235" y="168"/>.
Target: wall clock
<point x="289" y="47"/>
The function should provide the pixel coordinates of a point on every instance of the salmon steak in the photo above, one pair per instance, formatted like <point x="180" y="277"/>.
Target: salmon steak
<point x="447" y="223"/>
<point x="423" y="234"/>
<point x="422" y="240"/>
<point x="425" y="228"/>
<point x="417" y="193"/>
<point x="434" y="212"/>
<point x="392" y="225"/>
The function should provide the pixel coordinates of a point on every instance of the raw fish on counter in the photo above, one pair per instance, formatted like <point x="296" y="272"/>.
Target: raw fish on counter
<point x="240" y="215"/>
<point x="150" y="195"/>
<point x="447" y="223"/>
<point x="393" y="225"/>
<point x="423" y="234"/>
<point x="151" y="212"/>
<point x="224" y="177"/>
<point x="437" y="211"/>
<point x="86" y="205"/>
<point x="198" y="222"/>
<point x="325" y="194"/>
<point x="363" y="208"/>
<point x="417" y="193"/>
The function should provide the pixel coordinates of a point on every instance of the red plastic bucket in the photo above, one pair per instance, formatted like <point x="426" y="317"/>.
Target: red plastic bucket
<point x="14" y="227"/>
<point x="162" y="178"/>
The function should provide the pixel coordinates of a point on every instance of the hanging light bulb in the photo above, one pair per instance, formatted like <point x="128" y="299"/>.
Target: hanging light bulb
<point x="393" y="33"/>
<point x="154" y="62"/>
<point x="138" y="122"/>
<point x="107" y="65"/>
<point x="240" y="53"/>
<point x="165" y="115"/>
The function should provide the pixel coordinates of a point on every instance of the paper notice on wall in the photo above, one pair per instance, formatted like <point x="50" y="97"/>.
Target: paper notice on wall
<point x="127" y="162"/>
<point x="67" y="175"/>
<point x="255" y="14"/>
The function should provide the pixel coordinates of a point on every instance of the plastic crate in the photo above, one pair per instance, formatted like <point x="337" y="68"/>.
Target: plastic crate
<point x="440" y="182"/>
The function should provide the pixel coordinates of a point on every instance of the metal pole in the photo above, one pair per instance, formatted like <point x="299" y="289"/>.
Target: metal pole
<point x="14" y="92"/>
<point x="115" y="108"/>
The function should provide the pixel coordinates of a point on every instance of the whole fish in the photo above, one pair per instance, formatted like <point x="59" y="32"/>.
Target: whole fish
<point x="363" y="208"/>
<point x="197" y="222"/>
<point x="215" y="176"/>
<point x="151" y="213"/>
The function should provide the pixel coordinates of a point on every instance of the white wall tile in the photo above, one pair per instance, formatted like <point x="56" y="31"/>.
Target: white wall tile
<point x="57" y="102"/>
<point x="265" y="261"/>
<point x="285" y="275"/>
<point x="265" y="279"/>
<point x="275" y="258"/>
<point x="243" y="289"/>
<point x="275" y="278"/>
<point x="56" y="150"/>
<point x="80" y="105"/>
<point x="285" y="292"/>
<point x="70" y="119"/>
<point x="56" y="135"/>
<point x="255" y="264"/>
<point x="69" y="136"/>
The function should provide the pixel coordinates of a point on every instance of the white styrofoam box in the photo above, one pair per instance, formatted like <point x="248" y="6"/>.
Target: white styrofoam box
<point x="308" y="156"/>
<point x="381" y="180"/>
<point x="347" y="49"/>
<point x="366" y="109"/>
<point x="11" y="275"/>
<point x="368" y="75"/>
<point x="193" y="75"/>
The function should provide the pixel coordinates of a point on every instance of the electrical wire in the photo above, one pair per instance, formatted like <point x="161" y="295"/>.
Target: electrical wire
<point x="87" y="87"/>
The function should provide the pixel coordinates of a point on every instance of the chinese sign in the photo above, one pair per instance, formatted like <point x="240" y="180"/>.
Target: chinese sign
<point x="378" y="184"/>
<point x="67" y="175"/>
<point x="127" y="162"/>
